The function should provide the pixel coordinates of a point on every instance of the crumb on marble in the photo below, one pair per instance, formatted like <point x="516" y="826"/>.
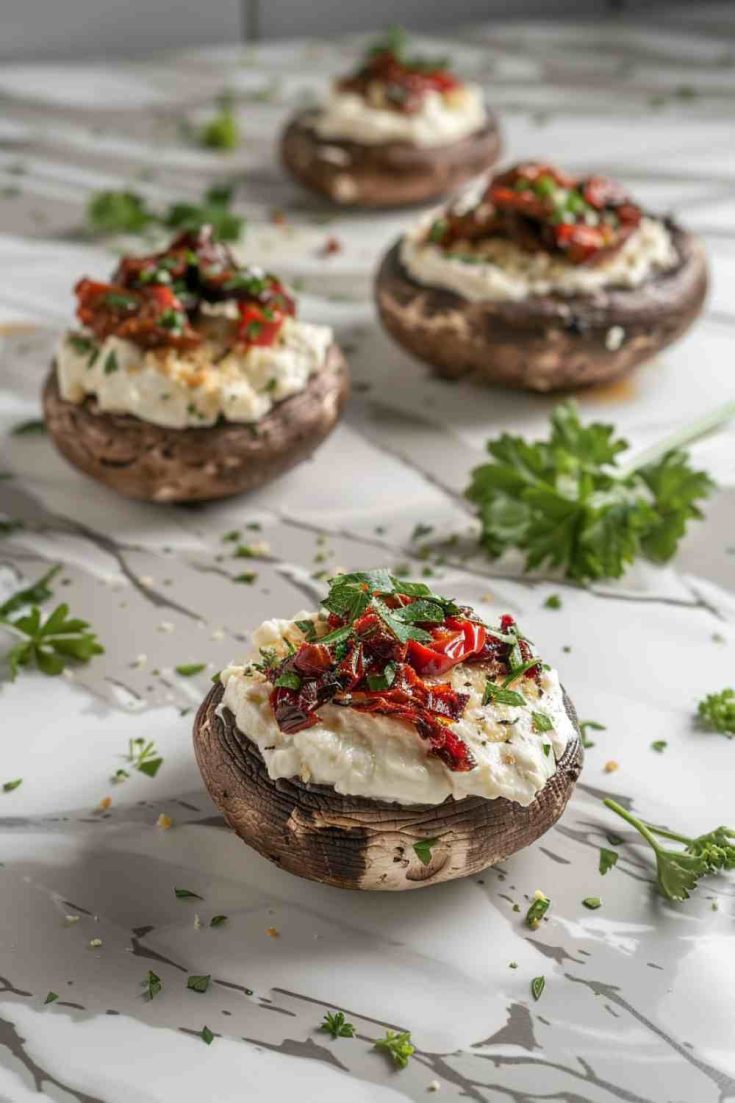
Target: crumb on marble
<point x="164" y="821"/>
<point x="611" y="766"/>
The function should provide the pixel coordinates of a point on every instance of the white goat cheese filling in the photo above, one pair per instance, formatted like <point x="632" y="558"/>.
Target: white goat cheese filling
<point x="499" y="270"/>
<point x="379" y="757"/>
<point x="183" y="389"/>
<point x="442" y="118"/>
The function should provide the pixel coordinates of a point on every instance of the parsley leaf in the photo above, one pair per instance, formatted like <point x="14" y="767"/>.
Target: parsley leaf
<point x="589" y="725"/>
<point x="423" y="849"/>
<point x="222" y="130"/>
<point x="567" y="503"/>
<point x="34" y="594"/>
<point x="396" y="1045"/>
<point x="678" y="871"/>
<point x="51" y="997"/>
<point x="538" y="909"/>
<point x="501" y="696"/>
<point x="188" y="670"/>
<point x="537" y="986"/>
<point x="118" y="212"/>
<point x="142" y="755"/>
<point x="214" y="210"/>
<point x="197" y="983"/>
<point x="217" y="920"/>
<point x="125" y="212"/>
<point x="592" y="902"/>
<point x="187" y="894"/>
<point x="28" y="428"/>
<point x="334" y="1023"/>
<point x="206" y="1035"/>
<point x="541" y="722"/>
<point x="152" y="984"/>
<point x="717" y="712"/>
<point x="48" y="643"/>
<point x="10" y="786"/>
<point x="608" y="858"/>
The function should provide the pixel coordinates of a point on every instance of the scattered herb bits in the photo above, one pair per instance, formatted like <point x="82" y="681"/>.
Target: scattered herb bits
<point x="152" y="984"/>
<point x="589" y="725"/>
<point x="187" y="894"/>
<point x="51" y="997"/>
<point x="397" y="1045"/>
<point x="608" y="858"/>
<point x="716" y="712"/>
<point x="659" y="745"/>
<point x="206" y="1035"/>
<point x="423" y="849"/>
<point x="188" y="670"/>
<point x="553" y="601"/>
<point x="198" y="983"/>
<point x="9" y="786"/>
<point x="592" y="902"/>
<point x="538" y="909"/>
<point x="217" y="920"/>
<point x="537" y="986"/>
<point x="334" y="1023"/>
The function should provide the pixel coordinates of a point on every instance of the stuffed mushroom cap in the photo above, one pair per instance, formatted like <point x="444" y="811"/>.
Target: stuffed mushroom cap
<point x="190" y="377"/>
<point x="541" y="281"/>
<point x="368" y="747"/>
<point x="399" y="130"/>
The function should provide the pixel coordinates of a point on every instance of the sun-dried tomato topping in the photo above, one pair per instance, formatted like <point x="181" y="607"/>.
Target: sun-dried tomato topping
<point x="391" y="80"/>
<point x="382" y="660"/>
<point x="540" y="208"/>
<point x="156" y="300"/>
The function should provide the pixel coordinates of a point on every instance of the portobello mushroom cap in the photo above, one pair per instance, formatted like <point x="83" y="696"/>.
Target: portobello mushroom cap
<point x="159" y="464"/>
<point x="544" y="342"/>
<point x="392" y="174"/>
<point x="356" y="843"/>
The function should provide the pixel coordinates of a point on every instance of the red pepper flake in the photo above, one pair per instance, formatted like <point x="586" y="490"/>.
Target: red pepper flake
<point x="331" y="246"/>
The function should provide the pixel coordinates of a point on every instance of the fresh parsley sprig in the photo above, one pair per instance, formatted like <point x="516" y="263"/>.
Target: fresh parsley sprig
<point x="334" y="1023"/>
<point x="716" y="711"/>
<point x="126" y="212"/>
<point x="352" y="595"/>
<point x="397" y="1045"/>
<point x="678" y="871"/>
<point x="48" y="642"/>
<point x="567" y="503"/>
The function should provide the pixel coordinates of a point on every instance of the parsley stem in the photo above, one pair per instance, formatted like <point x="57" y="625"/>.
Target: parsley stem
<point x="640" y="827"/>
<point x="671" y="835"/>
<point x="682" y="437"/>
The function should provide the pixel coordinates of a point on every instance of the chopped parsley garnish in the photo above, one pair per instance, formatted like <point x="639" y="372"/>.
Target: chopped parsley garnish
<point x="678" y="871"/>
<point x="9" y="786"/>
<point x="118" y="212"/>
<point x="125" y="212"/>
<point x="541" y="722"/>
<point x="187" y="894"/>
<point x="659" y="745"/>
<point x="110" y="365"/>
<point x="152" y="984"/>
<point x="222" y="130"/>
<point x="246" y="577"/>
<point x="188" y="670"/>
<point x="608" y="858"/>
<point x="553" y="601"/>
<point x="566" y="502"/>
<point x="217" y="920"/>
<point x="197" y="983"/>
<point x="143" y="756"/>
<point x="397" y="1045"/>
<point x="81" y="344"/>
<point x="351" y="595"/>
<point x="288" y="680"/>
<point x="384" y="680"/>
<point x="334" y="1023"/>
<point x="28" y="428"/>
<point x="592" y="902"/>
<point x="717" y="712"/>
<point x="48" y="643"/>
<point x="589" y="725"/>
<point x="423" y="849"/>
<point x="538" y="909"/>
<point x="537" y="986"/>
<point x="308" y="628"/>
<point x="51" y="997"/>
<point x="501" y="696"/>
<point x="206" y="1035"/>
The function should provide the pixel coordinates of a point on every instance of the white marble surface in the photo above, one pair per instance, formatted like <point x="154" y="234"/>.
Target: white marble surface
<point x="638" y="999"/>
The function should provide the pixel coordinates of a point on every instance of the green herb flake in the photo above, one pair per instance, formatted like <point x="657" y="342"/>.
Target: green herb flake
<point x="384" y="680"/>
<point x="592" y="902"/>
<point x="206" y="1035"/>
<point x="110" y="365"/>
<point x="397" y="1045"/>
<point x="541" y="722"/>
<point x="217" y="920"/>
<point x="423" y="849"/>
<point x="716" y="712"/>
<point x="188" y="670"/>
<point x="553" y="601"/>
<point x="152" y="984"/>
<point x="334" y="1023"/>
<point x="142" y="755"/>
<point x="537" y="910"/>
<point x="187" y="894"/>
<point x="608" y="858"/>
<point x="659" y="745"/>
<point x="9" y="786"/>
<point x="197" y="983"/>
<point x="46" y="643"/>
<point x="589" y="725"/>
<point x="537" y="986"/>
<point x="33" y="427"/>
<point x="289" y="679"/>
<point x="51" y="997"/>
<point x="247" y="577"/>
<point x="499" y="695"/>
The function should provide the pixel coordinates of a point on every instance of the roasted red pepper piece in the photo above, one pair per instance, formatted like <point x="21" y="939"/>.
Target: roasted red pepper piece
<point x="151" y="317"/>
<point x="405" y="86"/>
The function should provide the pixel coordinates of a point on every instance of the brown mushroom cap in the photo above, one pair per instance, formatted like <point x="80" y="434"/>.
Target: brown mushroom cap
<point x="355" y="843"/>
<point x="155" y="463"/>
<point x="544" y="342"/>
<point x="392" y="174"/>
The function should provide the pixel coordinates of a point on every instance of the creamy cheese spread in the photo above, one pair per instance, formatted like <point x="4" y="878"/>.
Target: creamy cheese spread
<point x="179" y="389"/>
<point x="442" y="118"/>
<point x="379" y="757"/>
<point x="498" y="270"/>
